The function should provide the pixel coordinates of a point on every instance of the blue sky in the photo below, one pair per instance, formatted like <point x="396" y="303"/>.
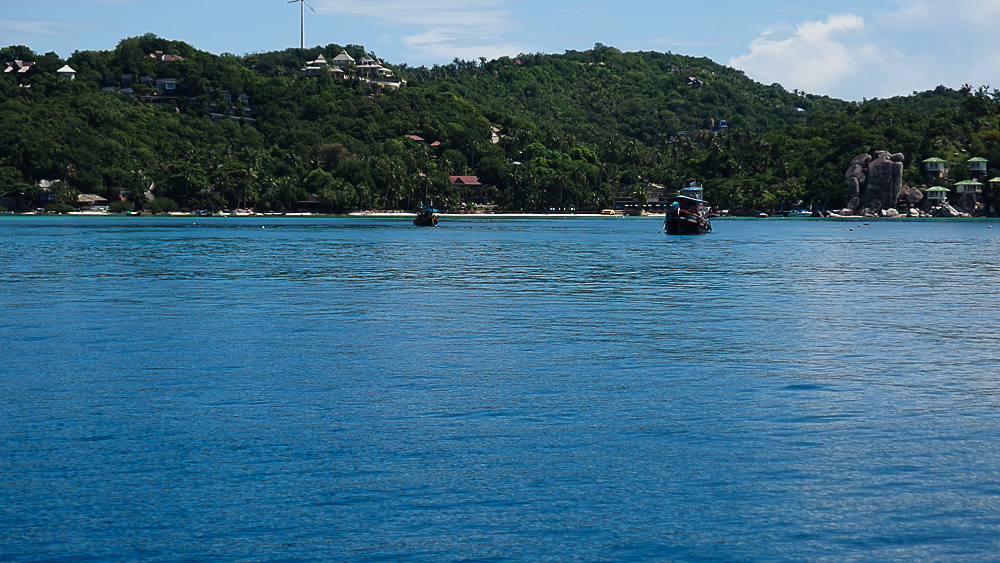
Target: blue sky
<point x="847" y="49"/>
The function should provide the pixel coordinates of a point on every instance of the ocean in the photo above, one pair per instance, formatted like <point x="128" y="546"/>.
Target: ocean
<point x="497" y="389"/>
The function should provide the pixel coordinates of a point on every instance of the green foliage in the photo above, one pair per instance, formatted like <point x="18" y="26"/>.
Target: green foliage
<point x="160" y="205"/>
<point x="59" y="208"/>
<point x="572" y="130"/>
<point x="121" y="206"/>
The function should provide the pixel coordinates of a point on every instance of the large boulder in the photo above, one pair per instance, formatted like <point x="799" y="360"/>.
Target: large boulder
<point x="855" y="171"/>
<point x="875" y="209"/>
<point x="912" y="195"/>
<point x="891" y="212"/>
<point x="885" y="178"/>
<point x="877" y="176"/>
<point x="968" y="203"/>
<point x="946" y="210"/>
<point x="897" y="182"/>
<point x="853" y="188"/>
<point x="851" y="208"/>
<point x="862" y="160"/>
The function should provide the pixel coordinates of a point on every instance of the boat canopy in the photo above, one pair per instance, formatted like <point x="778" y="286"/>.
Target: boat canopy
<point x="686" y="199"/>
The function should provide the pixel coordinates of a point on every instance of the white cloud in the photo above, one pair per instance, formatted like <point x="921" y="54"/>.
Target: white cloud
<point x="914" y="45"/>
<point x="425" y="13"/>
<point x="438" y="29"/>
<point x="815" y="58"/>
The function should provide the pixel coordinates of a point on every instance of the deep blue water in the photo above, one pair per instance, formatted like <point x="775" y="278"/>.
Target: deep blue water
<point x="498" y="390"/>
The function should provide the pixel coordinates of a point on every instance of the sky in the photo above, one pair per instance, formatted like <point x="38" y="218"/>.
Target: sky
<point x="848" y="49"/>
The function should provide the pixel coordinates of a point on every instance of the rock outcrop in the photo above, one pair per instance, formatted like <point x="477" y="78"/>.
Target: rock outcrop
<point x="852" y="207"/>
<point x="912" y="195"/>
<point x="945" y="210"/>
<point x="968" y="203"/>
<point x="876" y="180"/>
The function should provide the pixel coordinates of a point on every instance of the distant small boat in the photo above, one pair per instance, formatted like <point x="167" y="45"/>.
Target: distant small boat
<point x="798" y="214"/>
<point x="426" y="217"/>
<point x="687" y="215"/>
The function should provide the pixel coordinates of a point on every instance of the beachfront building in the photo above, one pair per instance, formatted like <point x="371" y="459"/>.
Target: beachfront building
<point x="936" y="195"/>
<point x="977" y="166"/>
<point x="968" y="186"/>
<point x="934" y="167"/>
<point x="89" y="201"/>
<point x="476" y="193"/>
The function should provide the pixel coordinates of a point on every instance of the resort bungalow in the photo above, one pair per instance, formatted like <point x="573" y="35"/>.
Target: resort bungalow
<point x="66" y="72"/>
<point x="166" y="83"/>
<point x="934" y="167"/>
<point x="19" y="68"/>
<point x="977" y="166"/>
<point x="89" y="201"/>
<point x="936" y="195"/>
<point x="477" y="192"/>
<point x="342" y="61"/>
<point x="317" y="67"/>
<point x="967" y="186"/>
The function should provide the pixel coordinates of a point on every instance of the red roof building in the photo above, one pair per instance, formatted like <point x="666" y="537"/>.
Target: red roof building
<point x="469" y="181"/>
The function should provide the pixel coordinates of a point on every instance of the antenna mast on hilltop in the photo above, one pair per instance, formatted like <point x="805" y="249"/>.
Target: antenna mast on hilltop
<point x="302" y="17"/>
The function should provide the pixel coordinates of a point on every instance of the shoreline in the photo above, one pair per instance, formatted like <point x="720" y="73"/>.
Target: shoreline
<point x="481" y="216"/>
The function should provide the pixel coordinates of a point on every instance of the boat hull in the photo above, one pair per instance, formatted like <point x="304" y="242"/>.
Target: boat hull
<point x="686" y="225"/>
<point x="426" y="219"/>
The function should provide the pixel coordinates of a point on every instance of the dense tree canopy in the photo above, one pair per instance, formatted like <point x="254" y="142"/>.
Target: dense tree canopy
<point x="574" y="130"/>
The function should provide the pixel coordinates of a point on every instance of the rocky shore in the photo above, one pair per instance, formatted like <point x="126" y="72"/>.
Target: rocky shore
<point x="875" y="189"/>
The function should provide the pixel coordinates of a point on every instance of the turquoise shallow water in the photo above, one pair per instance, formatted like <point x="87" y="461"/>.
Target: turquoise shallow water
<point x="498" y="390"/>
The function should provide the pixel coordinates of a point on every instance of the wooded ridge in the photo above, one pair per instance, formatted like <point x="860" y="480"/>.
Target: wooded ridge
<point x="540" y="131"/>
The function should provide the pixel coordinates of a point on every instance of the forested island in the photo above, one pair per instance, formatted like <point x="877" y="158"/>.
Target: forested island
<point x="156" y="124"/>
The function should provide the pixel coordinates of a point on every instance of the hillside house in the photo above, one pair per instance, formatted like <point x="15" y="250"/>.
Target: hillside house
<point x="19" y="68"/>
<point x="977" y="166"/>
<point x="968" y="186"/>
<point x="66" y="72"/>
<point x="318" y="67"/>
<point x="936" y="195"/>
<point x="370" y="68"/>
<point x="164" y="57"/>
<point x="167" y="84"/>
<point x="342" y="61"/>
<point x="934" y="167"/>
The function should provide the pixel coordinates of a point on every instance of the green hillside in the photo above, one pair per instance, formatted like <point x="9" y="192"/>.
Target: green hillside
<point x="542" y="131"/>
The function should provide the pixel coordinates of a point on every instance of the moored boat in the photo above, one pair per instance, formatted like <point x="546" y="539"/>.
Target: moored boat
<point x="688" y="214"/>
<point x="798" y="214"/>
<point x="426" y="217"/>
